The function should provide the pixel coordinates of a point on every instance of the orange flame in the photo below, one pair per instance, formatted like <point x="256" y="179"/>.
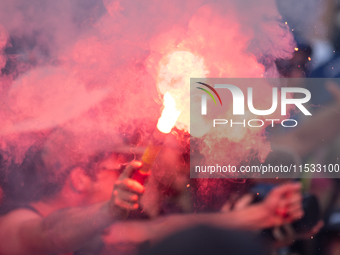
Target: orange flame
<point x="169" y="115"/>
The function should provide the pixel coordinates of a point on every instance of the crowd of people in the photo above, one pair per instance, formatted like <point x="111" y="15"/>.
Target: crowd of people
<point x="87" y="203"/>
<point x="73" y="191"/>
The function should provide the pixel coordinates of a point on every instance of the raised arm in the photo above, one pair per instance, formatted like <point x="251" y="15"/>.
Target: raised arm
<point x="322" y="128"/>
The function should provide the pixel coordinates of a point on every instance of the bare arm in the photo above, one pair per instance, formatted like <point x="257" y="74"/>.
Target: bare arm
<point x="140" y="231"/>
<point x="282" y="205"/>
<point x="321" y="128"/>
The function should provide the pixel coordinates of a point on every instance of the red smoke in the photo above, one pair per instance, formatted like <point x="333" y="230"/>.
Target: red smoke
<point x="93" y="65"/>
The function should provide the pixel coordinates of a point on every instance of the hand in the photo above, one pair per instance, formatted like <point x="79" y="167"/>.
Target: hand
<point x="283" y="204"/>
<point x="126" y="193"/>
<point x="288" y="235"/>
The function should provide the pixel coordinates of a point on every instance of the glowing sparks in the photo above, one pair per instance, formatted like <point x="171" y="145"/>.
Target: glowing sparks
<point x="296" y="48"/>
<point x="169" y="115"/>
<point x="309" y="58"/>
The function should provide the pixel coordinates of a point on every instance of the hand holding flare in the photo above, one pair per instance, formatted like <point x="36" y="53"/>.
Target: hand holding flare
<point x="165" y="123"/>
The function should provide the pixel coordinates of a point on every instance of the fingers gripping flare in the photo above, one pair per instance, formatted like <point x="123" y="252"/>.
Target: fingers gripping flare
<point x="126" y="193"/>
